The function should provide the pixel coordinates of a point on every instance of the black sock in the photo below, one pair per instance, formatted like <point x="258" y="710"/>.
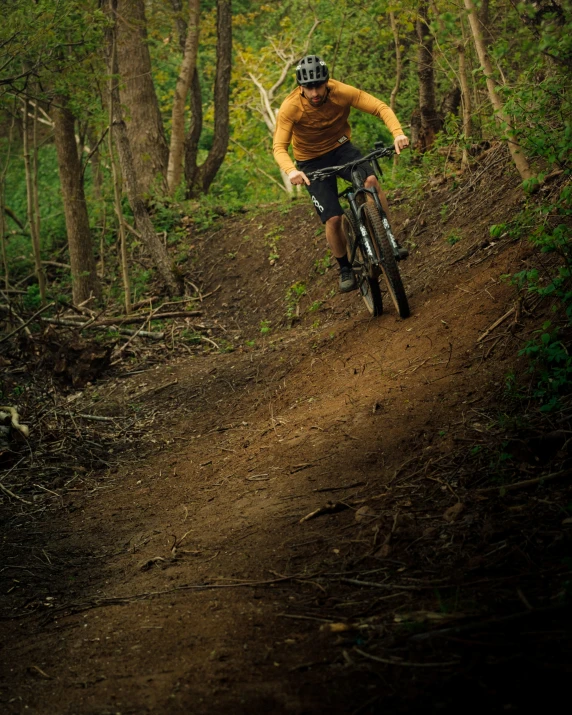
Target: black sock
<point x="344" y="262"/>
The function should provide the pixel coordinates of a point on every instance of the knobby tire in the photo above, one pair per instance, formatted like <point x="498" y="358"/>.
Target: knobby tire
<point x="388" y="262"/>
<point x="366" y="273"/>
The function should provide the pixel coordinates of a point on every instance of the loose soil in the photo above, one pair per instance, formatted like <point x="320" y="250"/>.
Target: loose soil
<point x="303" y="523"/>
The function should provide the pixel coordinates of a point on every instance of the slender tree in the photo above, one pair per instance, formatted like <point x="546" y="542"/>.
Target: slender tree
<point x="465" y="101"/>
<point x="187" y="71"/>
<point x="116" y="174"/>
<point x="430" y="120"/>
<point x="398" y="60"/>
<point x="85" y="283"/>
<point x="31" y="204"/>
<point x="199" y="178"/>
<point x="516" y="152"/>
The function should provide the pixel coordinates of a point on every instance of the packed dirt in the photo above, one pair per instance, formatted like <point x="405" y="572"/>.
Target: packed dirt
<point x="309" y="522"/>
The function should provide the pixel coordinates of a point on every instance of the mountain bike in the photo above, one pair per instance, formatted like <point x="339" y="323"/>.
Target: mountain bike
<point x="372" y="247"/>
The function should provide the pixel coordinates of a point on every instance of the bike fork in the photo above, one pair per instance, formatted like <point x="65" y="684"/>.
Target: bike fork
<point x="364" y="235"/>
<point x="387" y="227"/>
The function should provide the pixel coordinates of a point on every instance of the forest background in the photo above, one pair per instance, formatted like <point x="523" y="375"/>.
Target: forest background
<point x="124" y="123"/>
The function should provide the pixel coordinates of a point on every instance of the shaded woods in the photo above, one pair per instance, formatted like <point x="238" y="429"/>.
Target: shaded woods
<point x="223" y="487"/>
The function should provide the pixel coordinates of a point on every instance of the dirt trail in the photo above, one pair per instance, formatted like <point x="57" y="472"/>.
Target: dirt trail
<point x="187" y="581"/>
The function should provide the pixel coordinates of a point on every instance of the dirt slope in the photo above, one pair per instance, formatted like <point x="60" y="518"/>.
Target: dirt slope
<point x="184" y="580"/>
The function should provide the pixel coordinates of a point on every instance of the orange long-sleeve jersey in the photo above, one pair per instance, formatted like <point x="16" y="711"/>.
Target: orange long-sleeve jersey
<point x="314" y="131"/>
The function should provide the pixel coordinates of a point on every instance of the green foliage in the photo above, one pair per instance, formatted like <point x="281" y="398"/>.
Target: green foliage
<point x="265" y="327"/>
<point x="551" y="364"/>
<point x="453" y="237"/>
<point x="271" y="239"/>
<point x="293" y="295"/>
<point x="321" y="265"/>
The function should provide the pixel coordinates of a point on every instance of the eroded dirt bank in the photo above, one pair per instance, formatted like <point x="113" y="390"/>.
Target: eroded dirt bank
<point x="303" y="529"/>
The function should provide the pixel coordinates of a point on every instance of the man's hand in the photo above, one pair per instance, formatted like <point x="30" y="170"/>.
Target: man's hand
<point x="400" y="142"/>
<point x="298" y="177"/>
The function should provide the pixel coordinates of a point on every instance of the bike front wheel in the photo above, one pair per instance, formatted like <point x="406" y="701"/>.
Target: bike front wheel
<point x="366" y="274"/>
<point x="387" y="259"/>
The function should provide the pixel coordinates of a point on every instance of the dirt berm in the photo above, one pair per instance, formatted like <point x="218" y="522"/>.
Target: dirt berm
<point x="307" y="520"/>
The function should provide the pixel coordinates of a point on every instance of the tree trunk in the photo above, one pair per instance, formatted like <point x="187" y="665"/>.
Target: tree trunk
<point x="116" y="175"/>
<point x="199" y="178"/>
<point x="188" y="67"/>
<point x="465" y="103"/>
<point x="152" y="243"/>
<point x="517" y="154"/>
<point x="137" y="92"/>
<point x="84" y="277"/>
<point x="32" y="222"/>
<point x="398" y="61"/>
<point x="431" y="122"/>
<point x="3" y="234"/>
<point x="3" y="228"/>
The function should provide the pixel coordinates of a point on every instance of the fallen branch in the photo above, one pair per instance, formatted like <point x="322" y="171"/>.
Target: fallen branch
<point x="11" y="494"/>
<point x="526" y="483"/>
<point x="128" y="319"/>
<point x="27" y="322"/>
<point x="329" y="508"/>
<point x="385" y="586"/>
<point x="99" y="326"/>
<point x="407" y="663"/>
<point x="496" y="324"/>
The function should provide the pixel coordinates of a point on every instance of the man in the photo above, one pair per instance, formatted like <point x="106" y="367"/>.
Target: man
<point x="314" y="117"/>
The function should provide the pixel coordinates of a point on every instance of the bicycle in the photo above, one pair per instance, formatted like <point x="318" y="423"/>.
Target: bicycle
<point x="373" y="249"/>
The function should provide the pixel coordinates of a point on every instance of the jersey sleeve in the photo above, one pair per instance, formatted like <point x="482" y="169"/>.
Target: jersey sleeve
<point x="368" y="103"/>
<point x="282" y="139"/>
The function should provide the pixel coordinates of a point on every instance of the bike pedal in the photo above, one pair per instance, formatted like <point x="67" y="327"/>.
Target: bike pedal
<point x="403" y="253"/>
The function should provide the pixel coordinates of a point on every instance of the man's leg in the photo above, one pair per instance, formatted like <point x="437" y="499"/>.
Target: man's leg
<point x="372" y="181"/>
<point x="337" y="242"/>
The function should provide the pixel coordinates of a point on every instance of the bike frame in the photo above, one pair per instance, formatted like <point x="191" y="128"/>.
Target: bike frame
<point x="357" y="196"/>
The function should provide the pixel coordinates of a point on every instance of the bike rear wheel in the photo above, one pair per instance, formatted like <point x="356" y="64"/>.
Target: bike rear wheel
<point x="388" y="263"/>
<point x="366" y="274"/>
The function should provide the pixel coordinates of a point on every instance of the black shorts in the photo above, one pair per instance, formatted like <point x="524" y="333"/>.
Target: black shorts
<point x="324" y="194"/>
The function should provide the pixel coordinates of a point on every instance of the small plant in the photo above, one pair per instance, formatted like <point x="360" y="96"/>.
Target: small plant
<point x="265" y="327"/>
<point x="444" y="213"/>
<point x="321" y="265"/>
<point x="32" y="298"/>
<point x="191" y="336"/>
<point x="271" y="239"/>
<point x="316" y="305"/>
<point x="453" y="237"/>
<point x="293" y="295"/>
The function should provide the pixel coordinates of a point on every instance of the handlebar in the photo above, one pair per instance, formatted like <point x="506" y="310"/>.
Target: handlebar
<point x="379" y="152"/>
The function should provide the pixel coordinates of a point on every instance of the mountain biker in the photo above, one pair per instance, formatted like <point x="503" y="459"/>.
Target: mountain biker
<point x="314" y="117"/>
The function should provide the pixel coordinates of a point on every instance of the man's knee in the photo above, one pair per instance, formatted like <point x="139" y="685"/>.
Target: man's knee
<point x="334" y="222"/>
<point x="371" y="181"/>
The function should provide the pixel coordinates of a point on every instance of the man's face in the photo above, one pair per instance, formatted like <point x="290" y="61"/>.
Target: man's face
<point x="316" y="93"/>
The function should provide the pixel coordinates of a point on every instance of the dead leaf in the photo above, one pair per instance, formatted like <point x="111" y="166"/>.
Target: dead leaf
<point x="365" y="513"/>
<point x="383" y="552"/>
<point x="336" y="627"/>
<point x="454" y="512"/>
